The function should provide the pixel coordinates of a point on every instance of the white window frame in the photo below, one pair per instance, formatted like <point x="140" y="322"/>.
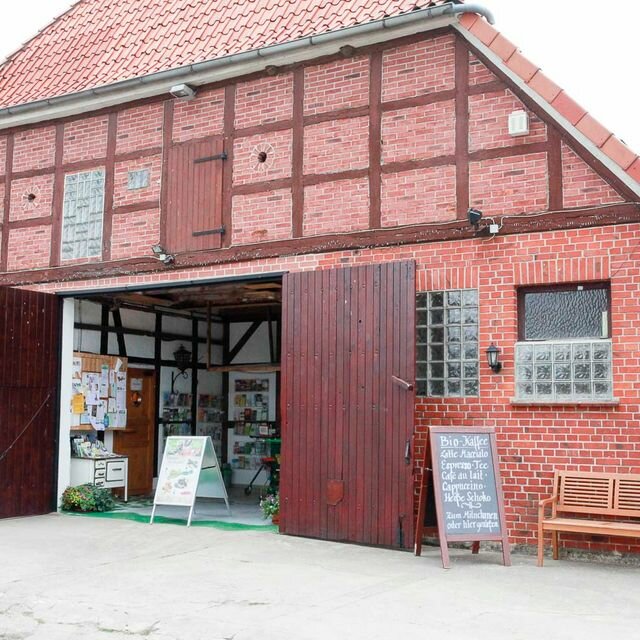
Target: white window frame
<point x="564" y="370"/>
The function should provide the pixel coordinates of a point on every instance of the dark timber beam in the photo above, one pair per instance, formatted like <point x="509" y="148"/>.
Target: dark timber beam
<point x="117" y="321"/>
<point x="244" y="339"/>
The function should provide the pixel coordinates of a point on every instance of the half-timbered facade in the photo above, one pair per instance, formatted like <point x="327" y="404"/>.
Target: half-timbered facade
<point x="350" y="164"/>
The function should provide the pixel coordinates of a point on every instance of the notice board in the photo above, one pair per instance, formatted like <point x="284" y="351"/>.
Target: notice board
<point x="461" y="464"/>
<point x="190" y="469"/>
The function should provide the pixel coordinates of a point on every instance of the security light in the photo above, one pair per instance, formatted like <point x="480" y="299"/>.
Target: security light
<point x="161" y="254"/>
<point x="475" y="215"/>
<point x="182" y="91"/>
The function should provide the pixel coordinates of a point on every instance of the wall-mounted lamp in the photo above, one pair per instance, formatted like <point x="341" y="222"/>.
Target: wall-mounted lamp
<point x="161" y="254"/>
<point x="493" y="358"/>
<point x="182" y="357"/>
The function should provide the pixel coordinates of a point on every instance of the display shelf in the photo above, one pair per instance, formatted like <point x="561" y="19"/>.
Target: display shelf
<point x="252" y="414"/>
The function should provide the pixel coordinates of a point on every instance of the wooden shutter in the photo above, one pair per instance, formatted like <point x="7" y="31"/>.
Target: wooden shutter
<point x="29" y="369"/>
<point x="194" y="196"/>
<point x="348" y="343"/>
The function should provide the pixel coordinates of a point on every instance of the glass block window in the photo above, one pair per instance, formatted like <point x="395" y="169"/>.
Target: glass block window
<point x="138" y="179"/>
<point x="447" y="343"/>
<point x="83" y="211"/>
<point x="564" y="353"/>
<point x="558" y="371"/>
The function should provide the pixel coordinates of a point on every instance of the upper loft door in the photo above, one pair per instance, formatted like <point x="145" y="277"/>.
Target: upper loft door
<point x="29" y="369"/>
<point x="348" y="368"/>
<point x="194" y="196"/>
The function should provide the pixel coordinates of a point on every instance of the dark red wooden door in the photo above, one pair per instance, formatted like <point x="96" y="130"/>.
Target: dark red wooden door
<point x="346" y="472"/>
<point x="194" y="196"/>
<point x="29" y="366"/>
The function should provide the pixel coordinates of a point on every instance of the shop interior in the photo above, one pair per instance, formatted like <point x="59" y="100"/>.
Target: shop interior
<point x="199" y="360"/>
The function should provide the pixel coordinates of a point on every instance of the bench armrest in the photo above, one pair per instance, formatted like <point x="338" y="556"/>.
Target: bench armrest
<point x="543" y="504"/>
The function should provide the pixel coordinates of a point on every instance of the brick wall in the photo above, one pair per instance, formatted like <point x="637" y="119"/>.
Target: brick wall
<point x="337" y="85"/>
<point x="34" y="149"/>
<point x="122" y="195"/>
<point x="134" y="233"/>
<point x="199" y="117"/>
<point x="419" y="195"/>
<point x="139" y="128"/>
<point x="510" y="185"/>
<point x="264" y="100"/>
<point x="419" y="68"/>
<point x="336" y="207"/>
<point x="3" y="154"/>
<point x="24" y="207"/>
<point x="419" y="132"/>
<point x="338" y="145"/>
<point x="29" y="248"/>
<point x="489" y="122"/>
<point x="85" y="139"/>
<point x="246" y="164"/>
<point x="262" y="216"/>
<point x="582" y="185"/>
<point x="478" y="72"/>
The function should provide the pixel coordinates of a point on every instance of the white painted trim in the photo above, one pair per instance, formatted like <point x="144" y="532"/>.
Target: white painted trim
<point x="615" y="168"/>
<point x="64" y="419"/>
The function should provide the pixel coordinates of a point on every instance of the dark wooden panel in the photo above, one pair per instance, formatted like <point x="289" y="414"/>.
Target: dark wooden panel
<point x="194" y="196"/>
<point x="29" y="365"/>
<point x="345" y="333"/>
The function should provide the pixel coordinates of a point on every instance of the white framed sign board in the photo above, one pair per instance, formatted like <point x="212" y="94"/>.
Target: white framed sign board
<point x="189" y="470"/>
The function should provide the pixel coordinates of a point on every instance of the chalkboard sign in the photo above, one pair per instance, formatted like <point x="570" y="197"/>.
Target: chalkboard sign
<point x="466" y="486"/>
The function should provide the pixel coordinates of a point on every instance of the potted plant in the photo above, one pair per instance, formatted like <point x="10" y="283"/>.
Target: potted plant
<point x="270" y="506"/>
<point x="87" y="497"/>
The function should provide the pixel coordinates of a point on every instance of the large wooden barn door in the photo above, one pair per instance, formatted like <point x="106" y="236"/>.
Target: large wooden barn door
<point x="347" y="412"/>
<point x="29" y="365"/>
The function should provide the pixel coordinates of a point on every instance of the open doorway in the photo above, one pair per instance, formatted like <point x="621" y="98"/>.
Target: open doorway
<point x="200" y="360"/>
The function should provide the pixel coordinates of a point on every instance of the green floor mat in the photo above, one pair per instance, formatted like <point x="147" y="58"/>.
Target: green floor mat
<point x="136" y="517"/>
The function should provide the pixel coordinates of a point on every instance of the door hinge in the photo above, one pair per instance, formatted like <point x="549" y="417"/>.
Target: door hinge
<point x="209" y="232"/>
<point x="217" y="156"/>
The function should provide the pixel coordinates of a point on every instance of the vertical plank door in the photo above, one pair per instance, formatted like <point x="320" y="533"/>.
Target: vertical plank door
<point x="193" y="204"/>
<point x="348" y="353"/>
<point x="29" y="369"/>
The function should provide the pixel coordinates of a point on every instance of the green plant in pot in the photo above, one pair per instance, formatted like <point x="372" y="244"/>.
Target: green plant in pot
<point x="270" y="506"/>
<point x="87" y="497"/>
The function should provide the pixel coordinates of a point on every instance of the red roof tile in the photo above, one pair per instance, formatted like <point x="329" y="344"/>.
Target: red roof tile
<point x="97" y="42"/>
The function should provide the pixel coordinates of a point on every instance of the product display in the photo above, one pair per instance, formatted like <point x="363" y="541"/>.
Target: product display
<point x="210" y="417"/>
<point x="252" y="409"/>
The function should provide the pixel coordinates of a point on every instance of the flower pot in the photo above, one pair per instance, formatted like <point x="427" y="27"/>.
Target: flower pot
<point x="275" y="519"/>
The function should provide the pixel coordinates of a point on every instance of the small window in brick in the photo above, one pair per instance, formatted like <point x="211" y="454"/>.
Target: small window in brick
<point x="447" y="343"/>
<point x="138" y="179"/>
<point x="83" y="212"/>
<point x="564" y="351"/>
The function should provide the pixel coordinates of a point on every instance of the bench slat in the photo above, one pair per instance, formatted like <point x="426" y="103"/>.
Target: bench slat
<point x="594" y="527"/>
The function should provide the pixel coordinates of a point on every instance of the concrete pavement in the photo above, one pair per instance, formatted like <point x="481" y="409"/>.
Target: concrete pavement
<point x="68" y="578"/>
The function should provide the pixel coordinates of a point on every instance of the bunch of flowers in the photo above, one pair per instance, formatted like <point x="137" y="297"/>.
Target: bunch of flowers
<point x="270" y="505"/>
<point x="87" y="497"/>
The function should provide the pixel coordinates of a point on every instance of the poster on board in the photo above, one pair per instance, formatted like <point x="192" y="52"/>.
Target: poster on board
<point x="189" y="470"/>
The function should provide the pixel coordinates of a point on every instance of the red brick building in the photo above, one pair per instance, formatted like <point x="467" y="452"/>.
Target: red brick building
<point x="341" y="146"/>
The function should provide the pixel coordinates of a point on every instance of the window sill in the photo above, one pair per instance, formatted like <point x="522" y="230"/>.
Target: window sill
<point x="614" y="402"/>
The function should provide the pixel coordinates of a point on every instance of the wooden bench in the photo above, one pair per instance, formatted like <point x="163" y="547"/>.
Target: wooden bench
<point x="577" y="494"/>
